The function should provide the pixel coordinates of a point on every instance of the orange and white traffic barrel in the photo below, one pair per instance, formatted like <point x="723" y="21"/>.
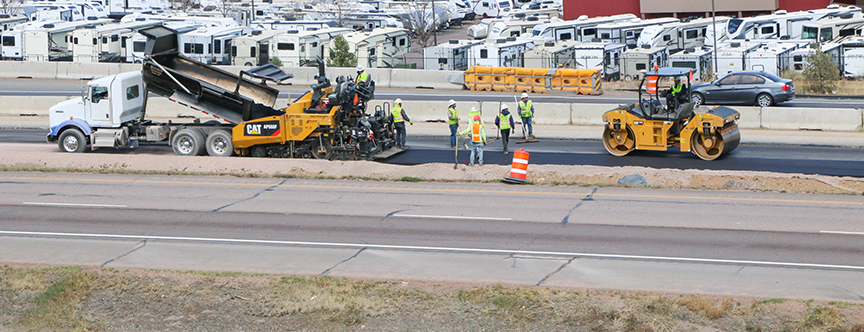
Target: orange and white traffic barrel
<point x="519" y="168"/>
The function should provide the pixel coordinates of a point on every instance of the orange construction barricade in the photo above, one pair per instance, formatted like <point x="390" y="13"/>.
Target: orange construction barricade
<point x="519" y="168"/>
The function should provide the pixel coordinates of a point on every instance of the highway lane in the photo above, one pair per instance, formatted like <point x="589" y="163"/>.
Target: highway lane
<point x="793" y="235"/>
<point x="770" y="158"/>
<point x="30" y="87"/>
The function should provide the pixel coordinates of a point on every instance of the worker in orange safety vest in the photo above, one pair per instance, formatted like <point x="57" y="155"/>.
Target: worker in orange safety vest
<point x="478" y="140"/>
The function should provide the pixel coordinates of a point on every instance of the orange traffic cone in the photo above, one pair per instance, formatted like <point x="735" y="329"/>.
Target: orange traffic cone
<point x="519" y="168"/>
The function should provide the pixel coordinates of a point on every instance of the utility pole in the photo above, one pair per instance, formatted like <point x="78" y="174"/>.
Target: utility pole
<point x="435" y="25"/>
<point x="253" y="10"/>
<point x="714" y="22"/>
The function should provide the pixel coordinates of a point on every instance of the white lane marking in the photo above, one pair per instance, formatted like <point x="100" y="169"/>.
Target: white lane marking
<point x="446" y="217"/>
<point x="75" y="204"/>
<point x="461" y="250"/>
<point x="840" y="232"/>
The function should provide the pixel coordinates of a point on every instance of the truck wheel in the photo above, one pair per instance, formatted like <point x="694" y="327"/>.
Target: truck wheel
<point x="320" y="151"/>
<point x="188" y="142"/>
<point x="219" y="144"/>
<point x="72" y="140"/>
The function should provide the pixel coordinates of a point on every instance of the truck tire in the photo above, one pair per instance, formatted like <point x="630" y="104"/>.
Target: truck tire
<point x="72" y="140"/>
<point x="188" y="142"/>
<point x="219" y="144"/>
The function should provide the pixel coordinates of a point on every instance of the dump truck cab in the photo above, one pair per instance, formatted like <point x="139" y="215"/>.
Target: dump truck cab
<point x="665" y="117"/>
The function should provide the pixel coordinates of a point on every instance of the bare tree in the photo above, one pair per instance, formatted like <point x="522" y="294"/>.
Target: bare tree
<point x="340" y="9"/>
<point x="181" y="5"/>
<point x="10" y="7"/>
<point x="225" y="7"/>
<point x="420" y="20"/>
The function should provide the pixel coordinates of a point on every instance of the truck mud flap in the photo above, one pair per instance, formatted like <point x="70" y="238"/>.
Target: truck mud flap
<point x="388" y="153"/>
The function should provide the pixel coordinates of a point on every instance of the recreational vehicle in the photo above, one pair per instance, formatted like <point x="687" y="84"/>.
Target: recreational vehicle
<point x="452" y="55"/>
<point x="580" y="29"/>
<point x="639" y="60"/>
<point x="681" y="35"/>
<point x="503" y="28"/>
<point x="253" y="49"/>
<point x="120" y="8"/>
<point x="87" y="9"/>
<point x="106" y="43"/>
<point x="7" y="22"/>
<point x="700" y="61"/>
<point x="203" y="21"/>
<point x="51" y="12"/>
<point x="499" y="53"/>
<point x="732" y="58"/>
<point x="550" y="55"/>
<point x="770" y="59"/>
<point x="782" y="23"/>
<point x="830" y="30"/>
<point x="626" y="33"/>
<point x="291" y="25"/>
<point x="210" y="45"/>
<point x="492" y="8"/>
<point x="136" y="44"/>
<point x="302" y="48"/>
<point x="378" y="48"/>
<point x="44" y="41"/>
<point x="599" y="55"/>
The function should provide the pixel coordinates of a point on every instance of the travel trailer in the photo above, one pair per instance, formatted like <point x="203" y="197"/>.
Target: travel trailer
<point x="291" y="25"/>
<point x="51" y="12"/>
<point x="39" y="41"/>
<point x="7" y="22"/>
<point x="370" y="21"/>
<point x="782" y="23"/>
<point x="681" y="35"/>
<point x="492" y="8"/>
<point x="606" y="56"/>
<point x="377" y="48"/>
<point x="452" y="55"/>
<point x="210" y="45"/>
<point x="549" y="55"/>
<point x="638" y="60"/>
<point x="106" y="43"/>
<point x="87" y="9"/>
<point x="500" y="52"/>
<point x="203" y="21"/>
<point x="120" y="8"/>
<point x="580" y="29"/>
<point x="507" y="27"/>
<point x="830" y="30"/>
<point x="626" y="33"/>
<point x="700" y="61"/>
<point x="253" y="49"/>
<point x="302" y="48"/>
<point x="770" y="59"/>
<point x="137" y="43"/>
<point x="731" y="58"/>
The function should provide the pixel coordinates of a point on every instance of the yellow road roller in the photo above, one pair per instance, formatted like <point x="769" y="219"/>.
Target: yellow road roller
<point x="665" y="117"/>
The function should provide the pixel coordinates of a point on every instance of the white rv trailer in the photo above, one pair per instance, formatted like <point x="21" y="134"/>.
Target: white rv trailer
<point x="549" y="55"/>
<point x="626" y="33"/>
<point x="13" y="39"/>
<point x="183" y="19"/>
<point x="452" y="55"/>
<point x="87" y="9"/>
<point x="106" y="43"/>
<point x="770" y="59"/>
<point x="832" y="29"/>
<point x="681" y="35"/>
<point x="492" y="8"/>
<point x="580" y="29"/>
<point x="52" y="41"/>
<point x="136" y="44"/>
<point x="606" y="56"/>
<point x="782" y="23"/>
<point x="371" y="21"/>
<point x="210" y="45"/>
<point x="506" y="27"/>
<point x="291" y="25"/>
<point x="51" y="12"/>
<point x="732" y="58"/>
<point x="700" y="61"/>
<point x="852" y="58"/>
<point x="500" y="52"/>
<point x="7" y="22"/>
<point x="377" y="48"/>
<point x="302" y="48"/>
<point x="253" y="49"/>
<point x="638" y="60"/>
<point x="120" y="8"/>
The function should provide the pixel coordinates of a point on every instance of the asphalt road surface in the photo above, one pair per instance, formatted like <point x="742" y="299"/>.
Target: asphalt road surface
<point x="31" y="87"/>
<point x="806" y="239"/>
<point x="783" y="159"/>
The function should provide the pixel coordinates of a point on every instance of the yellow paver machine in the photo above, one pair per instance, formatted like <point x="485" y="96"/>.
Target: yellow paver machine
<point x="665" y="118"/>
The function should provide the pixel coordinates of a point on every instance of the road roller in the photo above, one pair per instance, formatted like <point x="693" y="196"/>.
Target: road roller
<point x="664" y="117"/>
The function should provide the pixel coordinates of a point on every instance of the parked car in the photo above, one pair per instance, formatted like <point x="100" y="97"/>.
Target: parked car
<point x="746" y="87"/>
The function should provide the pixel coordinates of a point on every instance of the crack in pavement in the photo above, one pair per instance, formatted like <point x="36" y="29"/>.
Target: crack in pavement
<point x="139" y="245"/>
<point x="327" y="271"/>
<point x="253" y="196"/>
<point x="590" y="197"/>
<point x="556" y="271"/>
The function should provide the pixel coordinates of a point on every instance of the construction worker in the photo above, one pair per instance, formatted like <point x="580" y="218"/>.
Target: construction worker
<point x="399" y="118"/>
<point x="675" y="93"/>
<point x="362" y="76"/>
<point x="505" y="123"/>
<point x="478" y="139"/>
<point x="526" y="112"/>
<point x="453" y="116"/>
<point x="472" y="113"/>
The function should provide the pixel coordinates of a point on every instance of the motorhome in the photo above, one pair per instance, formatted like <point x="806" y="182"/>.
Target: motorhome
<point x="681" y="35"/>
<point x="782" y="23"/>
<point x="638" y="60"/>
<point x="549" y="55"/>
<point x="580" y="29"/>
<point x="830" y="30"/>
<point x="377" y="48"/>
<point x="302" y="48"/>
<point x="291" y="25"/>
<point x="699" y="60"/>
<point x="210" y="45"/>
<point x="106" y="43"/>
<point x="45" y="41"/>
<point x="626" y="33"/>
<point x="606" y="56"/>
<point x="499" y="53"/>
<point x="452" y="55"/>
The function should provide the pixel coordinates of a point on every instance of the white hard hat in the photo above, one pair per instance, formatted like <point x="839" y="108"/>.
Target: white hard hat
<point x="452" y="102"/>
<point x="524" y="95"/>
<point x="398" y="101"/>
<point x="504" y="107"/>
<point x="473" y="109"/>
<point x="359" y="68"/>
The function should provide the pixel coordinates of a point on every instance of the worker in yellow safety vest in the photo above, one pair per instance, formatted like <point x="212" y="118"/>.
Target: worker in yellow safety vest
<point x="472" y="113"/>
<point x="399" y="118"/>
<point x="362" y="76"/>
<point x="675" y="93"/>
<point x="453" y="116"/>
<point x="504" y="121"/>
<point x="526" y="112"/>
<point x="478" y="140"/>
